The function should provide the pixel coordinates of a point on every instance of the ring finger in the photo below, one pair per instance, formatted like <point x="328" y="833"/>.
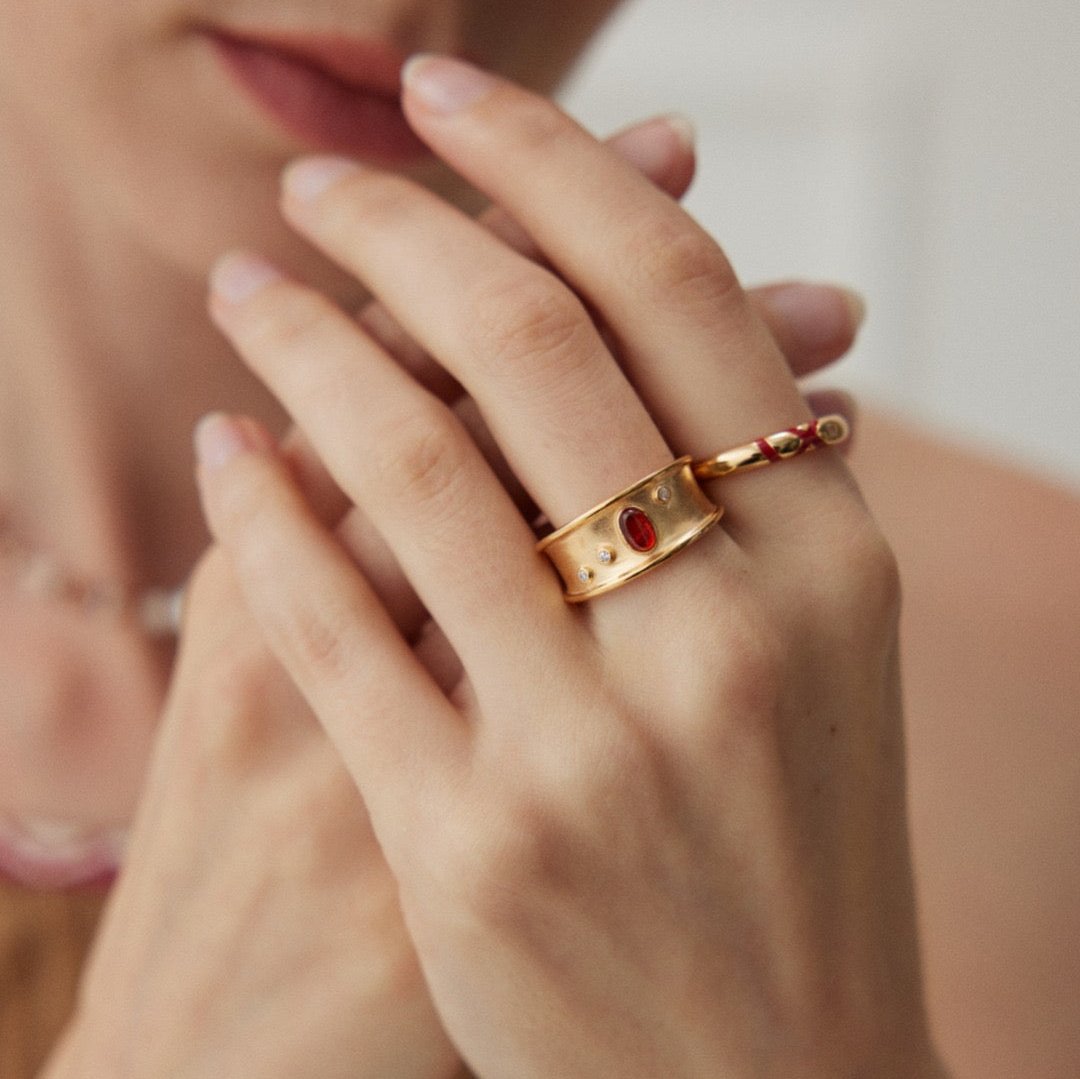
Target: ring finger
<point x="399" y="454"/>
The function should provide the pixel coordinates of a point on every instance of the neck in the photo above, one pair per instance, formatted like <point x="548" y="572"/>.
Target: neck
<point x="107" y="359"/>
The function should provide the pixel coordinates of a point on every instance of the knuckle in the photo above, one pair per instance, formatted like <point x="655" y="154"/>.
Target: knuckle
<point x="546" y="835"/>
<point x="287" y="318"/>
<point x="241" y="502"/>
<point x="678" y="263"/>
<point x="229" y="719"/>
<point x="305" y="811"/>
<point x="497" y="869"/>
<point x="752" y="668"/>
<point x="239" y="679"/>
<point x="733" y="680"/>
<point x="529" y="318"/>
<point x="319" y="639"/>
<point x="421" y="459"/>
<point x="537" y="125"/>
<point x="871" y="575"/>
<point x="851" y="579"/>
<point x="598" y="771"/>
<point x="352" y="205"/>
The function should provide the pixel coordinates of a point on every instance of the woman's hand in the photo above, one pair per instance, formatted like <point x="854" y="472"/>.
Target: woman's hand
<point x="255" y="930"/>
<point x="254" y="881"/>
<point x="663" y="835"/>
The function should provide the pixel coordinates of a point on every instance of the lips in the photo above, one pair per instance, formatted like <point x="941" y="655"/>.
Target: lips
<point x="333" y="93"/>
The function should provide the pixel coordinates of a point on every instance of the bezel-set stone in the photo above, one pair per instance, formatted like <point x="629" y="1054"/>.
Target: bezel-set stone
<point x="585" y="575"/>
<point x="605" y="555"/>
<point x="638" y="529"/>
<point x="662" y="494"/>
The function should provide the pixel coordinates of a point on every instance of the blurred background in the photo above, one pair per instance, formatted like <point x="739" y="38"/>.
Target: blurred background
<point x="926" y="152"/>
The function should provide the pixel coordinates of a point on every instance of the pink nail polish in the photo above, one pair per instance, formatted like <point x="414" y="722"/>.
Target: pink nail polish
<point x="445" y="85"/>
<point x="653" y="146"/>
<point x="684" y="129"/>
<point x="856" y="306"/>
<point x="817" y="315"/>
<point x="239" y="276"/>
<point x="305" y="180"/>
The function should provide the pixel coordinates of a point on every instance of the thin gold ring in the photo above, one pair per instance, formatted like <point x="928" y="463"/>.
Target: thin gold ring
<point x="795" y="441"/>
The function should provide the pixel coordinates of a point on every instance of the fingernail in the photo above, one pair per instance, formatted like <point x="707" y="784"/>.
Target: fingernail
<point x="683" y="127"/>
<point x="305" y="180"/>
<point x="237" y="277"/>
<point x="817" y="314"/>
<point x="856" y="306"/>
<point x="652" y="146"/>
<point x="218" y="439"/>
<point x="445" y="85"/>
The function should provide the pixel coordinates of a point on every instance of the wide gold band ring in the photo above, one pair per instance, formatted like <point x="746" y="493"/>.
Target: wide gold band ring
<point x="824" y="431"/>
<point x="630" y="533"/>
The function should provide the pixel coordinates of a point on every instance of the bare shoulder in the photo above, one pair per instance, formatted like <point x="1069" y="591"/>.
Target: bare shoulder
<point x="990" y="563"/>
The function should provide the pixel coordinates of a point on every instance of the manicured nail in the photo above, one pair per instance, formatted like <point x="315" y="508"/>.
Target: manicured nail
<point x="817" y="314"/>
<point x="683" y="127"/>
<point x="856" y="306"/>
<point x="445" y="85"/>
<point x="218" y="439"/>
<point x="237" y="277"/>
<point x="652" y="146"/>
<point x="305" y="180"/>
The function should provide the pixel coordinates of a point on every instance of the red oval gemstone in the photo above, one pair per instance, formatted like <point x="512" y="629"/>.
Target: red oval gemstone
<point x="637" y="527"/>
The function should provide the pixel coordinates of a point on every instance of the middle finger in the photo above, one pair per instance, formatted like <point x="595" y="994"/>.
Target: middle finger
<point x="703" y="362"/>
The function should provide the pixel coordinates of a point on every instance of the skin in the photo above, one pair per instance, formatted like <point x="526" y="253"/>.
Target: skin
<point x="107" y="191"/>
<point x="128" y="161"/>
<point x="119" y="502"/>
<point x="991" y="687"/>
<point x="242" y="770"/>
<point x="785" y="946"/>
<point x="112" y="448"/>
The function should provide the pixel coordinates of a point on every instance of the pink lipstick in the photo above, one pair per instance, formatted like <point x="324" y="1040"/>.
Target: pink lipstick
<point x="332" y="93"/>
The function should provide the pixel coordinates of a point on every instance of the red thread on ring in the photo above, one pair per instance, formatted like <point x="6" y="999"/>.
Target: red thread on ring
<point x="767" y="450"/>
<point x="808" y="435"/>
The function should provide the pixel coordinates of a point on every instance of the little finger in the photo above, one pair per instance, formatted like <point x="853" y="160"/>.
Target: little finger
<point x="321" y="619"/>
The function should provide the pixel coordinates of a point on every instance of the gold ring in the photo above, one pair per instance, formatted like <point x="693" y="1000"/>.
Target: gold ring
<point x="631" y="533"/>
<point x="824" y="431"/>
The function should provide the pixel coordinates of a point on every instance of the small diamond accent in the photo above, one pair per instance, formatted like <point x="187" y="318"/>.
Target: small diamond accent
<point x="663" y="494"/>
<point x="584" y="575"/>
<point x="605" y="556"/>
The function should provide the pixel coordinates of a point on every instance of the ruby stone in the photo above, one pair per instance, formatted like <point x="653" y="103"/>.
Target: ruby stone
<point x="637" y="528"/>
